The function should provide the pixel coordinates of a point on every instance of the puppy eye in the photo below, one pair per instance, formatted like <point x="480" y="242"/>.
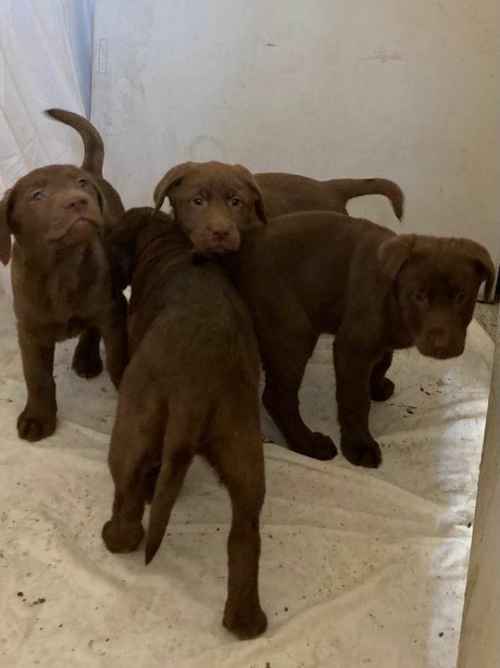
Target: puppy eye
<point x="420" y="297"/>
<point x="37" y="195"/>
<point x="83" y="183"/>
<point x="197" y="201"/>
<point x="460" y="297"/>
<point x="235" y="201"/>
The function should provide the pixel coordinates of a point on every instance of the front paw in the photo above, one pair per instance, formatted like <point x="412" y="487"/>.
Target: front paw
<point x="120" y="538"/>
<point x="317" y="445"/>
<point x="362" y="451"/>
<point x="245" y="623"/>
<point x="382" y="391"/>
<point x="32" y="427"/>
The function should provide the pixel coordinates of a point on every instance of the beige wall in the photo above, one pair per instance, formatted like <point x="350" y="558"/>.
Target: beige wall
<point x="399" y="88"/>
<point x="480" y="643"/>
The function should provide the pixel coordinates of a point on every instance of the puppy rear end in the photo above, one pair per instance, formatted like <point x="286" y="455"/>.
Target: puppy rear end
<point x="192" y="388"/>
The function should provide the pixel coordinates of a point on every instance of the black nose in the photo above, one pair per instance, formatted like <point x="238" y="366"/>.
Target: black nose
<point x="77" y="203"/>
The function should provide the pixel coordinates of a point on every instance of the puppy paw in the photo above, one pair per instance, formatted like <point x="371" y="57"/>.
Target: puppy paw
<point x="86" y="364"/>
<point x="362" y="452"/>
<point x="35" y="427"/>
<point x="244" y="623"/>
<point x="318" y="446"/>
<point x="119" y="538"/>
<point x="382" y="391"/>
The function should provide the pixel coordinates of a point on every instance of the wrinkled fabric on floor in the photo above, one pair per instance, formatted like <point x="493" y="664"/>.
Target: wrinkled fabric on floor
<point x="359" y="568"/>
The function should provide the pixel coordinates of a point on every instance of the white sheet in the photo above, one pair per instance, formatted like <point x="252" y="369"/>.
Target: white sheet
<point x="45" y="61"/>
<point x="358" y="568"/>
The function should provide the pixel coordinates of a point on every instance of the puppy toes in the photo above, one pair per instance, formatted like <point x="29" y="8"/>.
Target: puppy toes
<point x="245" y="624"/>
<point x="362" y="452"/>
<point x="86" y="365"/>
<point x="321" y="447"/>
<point x="34" y="428"/>
<point x="316" y="445"/>
<point x="119" y="538"/>
<point x="383" y="390"/>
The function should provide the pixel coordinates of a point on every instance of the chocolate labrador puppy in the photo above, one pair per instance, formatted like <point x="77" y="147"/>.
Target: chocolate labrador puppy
<point x="320" y="272"/>
<point x="192" y="384"/>
<point x="290" y="193"/>
<point x="213" y="202"/>
<point x="61" y="274"/>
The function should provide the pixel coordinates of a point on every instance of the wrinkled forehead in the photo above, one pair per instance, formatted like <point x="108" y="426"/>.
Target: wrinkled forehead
<point x="441" y="271"/>
<point x="51" y="175"/>
<point x="212" y="180"/>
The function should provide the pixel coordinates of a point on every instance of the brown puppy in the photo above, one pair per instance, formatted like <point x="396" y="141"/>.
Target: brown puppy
<point x="290" y="193"/>
<point x="61" y="274"/>
<point x="190" y="388"/>
<point x="319" y="272"/>
<point x="214" y="203"/>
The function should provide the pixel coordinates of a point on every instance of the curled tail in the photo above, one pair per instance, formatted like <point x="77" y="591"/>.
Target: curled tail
<point x="350" y="188"/>
<point x="92" y="141"/>
<point x="181" y="439"/>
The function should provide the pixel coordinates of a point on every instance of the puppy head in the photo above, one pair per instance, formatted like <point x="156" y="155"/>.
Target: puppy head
<point x="436" y="282"/>
<point x="50" y="208"/>
<point x="213" y="202"/>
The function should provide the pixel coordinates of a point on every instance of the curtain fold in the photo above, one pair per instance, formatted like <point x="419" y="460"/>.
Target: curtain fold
<point x="45" y="61"/>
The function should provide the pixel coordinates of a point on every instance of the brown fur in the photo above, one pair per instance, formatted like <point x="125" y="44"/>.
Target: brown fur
<point x="213" y="202"/>
<point x="290" y="193"/>
<point x="61" y="275"/>
<point x="321" y="272"/>
<point x="190" y="388"/>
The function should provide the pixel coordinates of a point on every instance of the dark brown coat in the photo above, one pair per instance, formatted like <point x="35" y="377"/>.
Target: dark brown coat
<point x="290" y="193"/>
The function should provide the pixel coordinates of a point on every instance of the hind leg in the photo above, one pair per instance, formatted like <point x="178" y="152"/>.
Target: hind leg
<point x="381" y="388"/>
<point x="284" y="361"/>
<point x="114" y="334"/>
<point x="135" y="450"/>
<point x="87" y="361"/>
<point x="238" y="458"/>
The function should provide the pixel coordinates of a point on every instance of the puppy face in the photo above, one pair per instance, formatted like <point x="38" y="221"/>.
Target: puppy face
<point x="436" y="286"/>
<point x="51" y="208"/>
<point x="437" y="300"/>
<point x="213" y="202"/>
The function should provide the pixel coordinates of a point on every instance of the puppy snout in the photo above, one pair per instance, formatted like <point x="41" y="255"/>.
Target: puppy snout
<point x="438" y="338"/>
<point x="77" y="203"/>
<point x="442" y="344"/>
<point x="219" y="235"/>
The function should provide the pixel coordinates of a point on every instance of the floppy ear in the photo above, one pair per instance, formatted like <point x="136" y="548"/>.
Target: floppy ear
<point x="172" y="178"/>
<point x="5" y="241"/>
<point x="394" y="252"/>
<point x="481" y="259"/>
<point x="252" y="184"/>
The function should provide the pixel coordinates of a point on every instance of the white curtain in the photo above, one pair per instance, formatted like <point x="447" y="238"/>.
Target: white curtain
<point x="45" y="61"/>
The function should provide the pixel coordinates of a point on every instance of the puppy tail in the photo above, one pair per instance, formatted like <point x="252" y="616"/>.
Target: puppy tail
<point x="356" y="187"/>
<point x="178" y="453"/>
<point x="93" y="158"/>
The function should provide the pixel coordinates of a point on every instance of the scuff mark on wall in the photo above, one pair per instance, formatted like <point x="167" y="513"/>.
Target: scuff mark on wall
<point x="384" y="56"/>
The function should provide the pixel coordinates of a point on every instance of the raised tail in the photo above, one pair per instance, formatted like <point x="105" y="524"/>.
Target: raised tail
<point x="350" y="188"/>
<point x="92" y="141"/>
<point x="179" y="448"/>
